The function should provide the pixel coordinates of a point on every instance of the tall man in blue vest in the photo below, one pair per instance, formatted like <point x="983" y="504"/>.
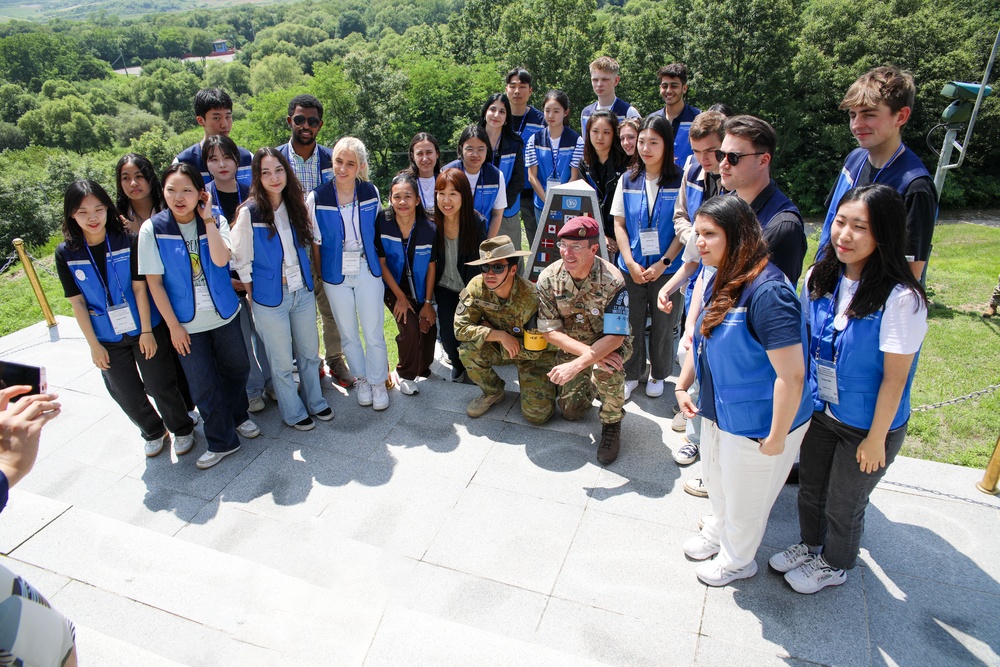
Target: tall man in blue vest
<point x="313" y="166"/>
<point x="745" y="169"/>
<point x="526" y="121"/>
<point x="213" y="109"/>
<point x="604" y="78"/>
<point x="879" y="104"/>
<point x="673" y="87"/>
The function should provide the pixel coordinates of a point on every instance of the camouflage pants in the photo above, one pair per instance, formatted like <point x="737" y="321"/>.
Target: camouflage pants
<point x="995" y="300"/>
<point x="576" y="397"/>
<point x="538" y="394"/>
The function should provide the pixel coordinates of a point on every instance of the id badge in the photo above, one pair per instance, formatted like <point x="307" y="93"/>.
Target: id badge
<point x="293" y="278"/>
<point x="551" y="183"/>
<point x="649" y="242"/>
<point x="826" y="379"/>
<point x="121" y="318"/>
<point x="202" y="299"/>
<point x="352" y="263"/>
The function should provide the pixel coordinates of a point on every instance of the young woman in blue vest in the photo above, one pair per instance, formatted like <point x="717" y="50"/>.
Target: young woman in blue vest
<point x="868" y="316"/>
<point x="749" y="358"/>
<point x="184" y="253"/>
<point x="460" y="230"/>
<point x="425" y="165"/>
<point x="489" y="189"/>
<point x="99" y="273"/>
<point x="650" y="243"/>
<point x="344" y="212"/>
<point x="405" y="245"/>
<point x="604" y="161"/>
<point x="553" y="155"/>
<point x="272" y="246"/>
<point x="506" y="153"/>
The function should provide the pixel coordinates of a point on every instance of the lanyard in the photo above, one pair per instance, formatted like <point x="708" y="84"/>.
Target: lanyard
<point x="407" y="265"/>
<point x="555" y="152"/>
<point x="650" y="215"/>
<point x="93" y="262"/>
<point x="479" y="183"/>
<point x="831" y="314"/>
<point x="879" y="172"/>
<point x="357" y="212"/>
<point x="218" y="202"/>
<point x="524" y="121"/>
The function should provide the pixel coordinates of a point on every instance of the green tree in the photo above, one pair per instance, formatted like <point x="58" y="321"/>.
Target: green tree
<point x="200" y="43"/>
<point x="275" y="72"/>
<point x="14" y="102"/>
<point x="351" y="21"/>
<point x="232" y="77"/>
<point x="381" y="104"/>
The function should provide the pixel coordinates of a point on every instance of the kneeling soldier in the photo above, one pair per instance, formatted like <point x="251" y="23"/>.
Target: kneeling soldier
<point x="494" y="314"/>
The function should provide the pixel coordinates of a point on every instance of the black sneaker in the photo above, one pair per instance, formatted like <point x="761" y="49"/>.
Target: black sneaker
<point x="305" y="425"/>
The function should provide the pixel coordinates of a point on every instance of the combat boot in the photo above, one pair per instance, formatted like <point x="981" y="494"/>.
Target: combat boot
<point x="607" y="450"/>
<point x="480" y="405"/>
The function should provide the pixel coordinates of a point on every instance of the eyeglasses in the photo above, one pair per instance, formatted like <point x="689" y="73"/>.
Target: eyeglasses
<point x="469" y="150"/>
<point x="311" y="121"/>
<point x="571" y="247"/>
<point x="494" y="268"/>
<point x="733" y="158"/>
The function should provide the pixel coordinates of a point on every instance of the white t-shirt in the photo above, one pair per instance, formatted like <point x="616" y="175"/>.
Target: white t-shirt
<point x="618" y="201"/>
<point x="501" y="200"/>
<point x="427" y="192"/>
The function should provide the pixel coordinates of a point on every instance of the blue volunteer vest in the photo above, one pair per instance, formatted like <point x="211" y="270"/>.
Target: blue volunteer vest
<point x="504" y="159"/>
<point x="898" y="173"/>
<point x="637" y="219"/>
<point x="418" y="247"/>
<point x="118" y="287"/>
<point x="331" y="228"/>
<point x="192" y="155"/>
<point x="619" y="108"/>
<point x="325" y="167"/>
<point x="694" y="191"/>
<point x="217" y="212"/>
<point x="776" y="203"/>
<point x="860" y="365"/>
<point x="562" y="168"/>
<point x="487" y="188"/>
<point x="682" y="132"/>
<point x="178" y="280"/>
<point x="532" y="122"/>
<point x="742" y="375"/>
<point x="267" y="269"/>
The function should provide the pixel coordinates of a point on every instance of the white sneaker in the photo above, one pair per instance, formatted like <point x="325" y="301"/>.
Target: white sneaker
<point x="256" y="404"/>
<point x="209" y="459"/>
<point x="630" y="386"/>
<point x="654" y="388"/>
<point x="699" y="548"/>
<point x="696" y="487"/>
<point x="364" y="392"/>
<point x="815" y="575"/>
<point x="248" y="430"/>
<point x="195" y="417"/>
<point x="714" y="574"/>
<point x="380" y="397"/>
<point x="154" y="447"/>
<point x="183" y="444"/>
<point x="408" y="387"/>
<point x="790" y="558"/>
<point x="687" y="454"/>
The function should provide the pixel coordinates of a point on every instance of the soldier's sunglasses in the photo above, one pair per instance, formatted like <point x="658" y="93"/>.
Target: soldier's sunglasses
<point x="493" y="268"/>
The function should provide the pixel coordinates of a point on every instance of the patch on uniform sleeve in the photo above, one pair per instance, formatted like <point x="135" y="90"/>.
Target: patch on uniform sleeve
<point x="616" y="315"/>
<point x="464" y="301"/>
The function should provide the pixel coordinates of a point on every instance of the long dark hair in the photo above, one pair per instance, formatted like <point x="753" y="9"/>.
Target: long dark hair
<point x="405" y="178"/>
<point x="298" y="216"/>
<point x="507" y="131"/>
<point x="617" y="155"/>
<point x="417" y="138"/>
<point x="885" y="268"/>
<point x="744" y="259"/>
<point x="75" y="194"/>
<point x="668" y="171"/>
<point x="468" y="219"/>
<point x="145" y="167"/>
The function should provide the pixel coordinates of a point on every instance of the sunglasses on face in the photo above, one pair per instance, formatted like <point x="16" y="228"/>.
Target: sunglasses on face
<point x="493" y="268"/>
<point x="311" y="121"/>
<point x="733" y="158"/>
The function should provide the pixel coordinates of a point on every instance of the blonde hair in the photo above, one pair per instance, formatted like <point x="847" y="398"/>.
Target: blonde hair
<point x="356" y="146"/>
<point x="605" y="64"/>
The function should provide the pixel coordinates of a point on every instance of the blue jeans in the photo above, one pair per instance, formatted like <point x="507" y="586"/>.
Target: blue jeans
<point x="217" y="370"/>
<point x="358" y="299"/>
<point x="289" y="331"/>
<point x="260" y="370"/>
<point x="693" y="428"/>
<point x="833" y="492"/>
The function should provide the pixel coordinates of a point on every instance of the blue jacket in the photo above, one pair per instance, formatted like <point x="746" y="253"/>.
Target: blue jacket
<point x="118" y="290"/>
<point x="217" y="212"/>
<point x="682" y="132"/>
<point x="331" y="228"/>
<point x="532" y="122"/>
<point x="742" y="375"/>
<point x="543" y="152"/>
<point x="325" y="161"/>
<point x="487" y="188"/>
<point x="694" y="191"/>
<point x="509" y="159"/>
<point x="416" y="253"/>
<point x="898" y="173"/>
<point x="637" y="219"/>
<point x="860" y="365"/>
<point x="267" y="269"/>
<point x="192" y="155"/>
<point x="178" y="280"/>
<point x="619" y="108"/>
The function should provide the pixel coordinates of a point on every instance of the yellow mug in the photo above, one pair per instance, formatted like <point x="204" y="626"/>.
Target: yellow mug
<point x="534" y="341"/>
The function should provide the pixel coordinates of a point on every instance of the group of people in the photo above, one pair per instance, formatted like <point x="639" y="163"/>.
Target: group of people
<point x="214" y="303"/>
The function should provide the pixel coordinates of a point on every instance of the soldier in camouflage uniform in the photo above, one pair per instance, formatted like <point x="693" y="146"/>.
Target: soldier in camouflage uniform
<point x="583" y="310"/>
<point x="494" y="312"/>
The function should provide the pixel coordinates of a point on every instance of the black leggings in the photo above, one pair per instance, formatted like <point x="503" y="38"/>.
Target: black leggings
<point x="447" y="302"/>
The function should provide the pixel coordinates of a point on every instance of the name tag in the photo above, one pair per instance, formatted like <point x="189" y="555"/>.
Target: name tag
<point x="826" y="379"/>
<point x="552" y="182"/>
<point x="121" y="318"/>
<point x="293" y="278"/>
<point x="352" y="263"/>
<point x="202" y="298"/>
<point x="649" y="242"/>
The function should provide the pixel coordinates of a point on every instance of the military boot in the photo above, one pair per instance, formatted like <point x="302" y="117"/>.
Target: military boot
<point x="480" y="405"/>
<point x="607" y="450"/>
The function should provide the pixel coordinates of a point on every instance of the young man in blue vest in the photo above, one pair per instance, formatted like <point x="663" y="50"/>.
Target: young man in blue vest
<point x="673" y="87"/>
<point x="213" y="109"/>
<point x="313" y="166"/>
<point x="879" y="104"/>
<point x="526" y="121"/>
<point x="604" y="79"/>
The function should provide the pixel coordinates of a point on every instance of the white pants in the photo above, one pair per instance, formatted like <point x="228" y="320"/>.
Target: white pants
<point x="742" y="487"/>
<point x="358" y="300"/>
